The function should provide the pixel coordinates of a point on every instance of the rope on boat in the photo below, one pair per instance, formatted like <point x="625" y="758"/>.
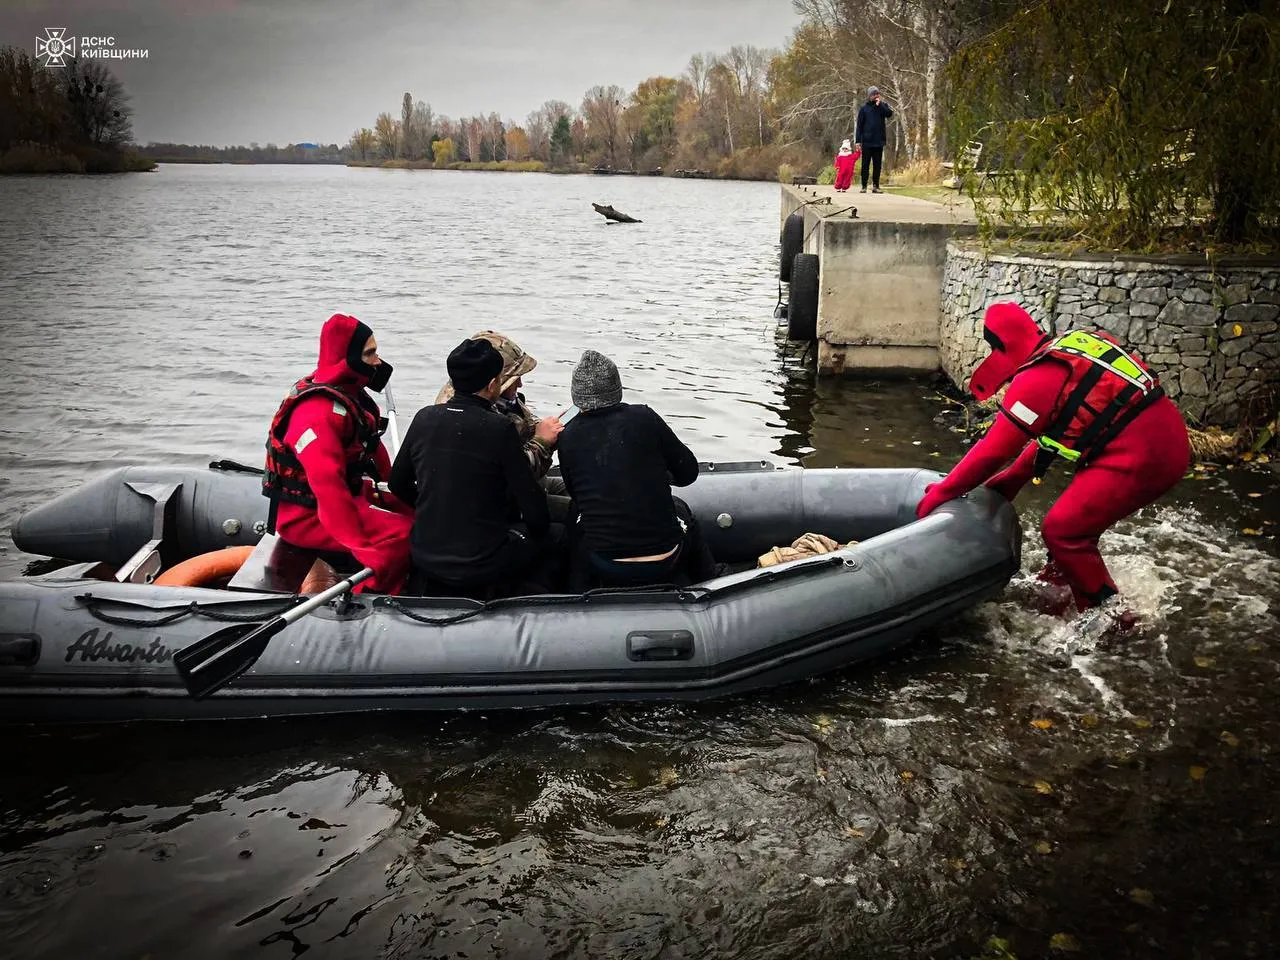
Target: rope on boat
<point x="661" y="590"/>
<point x="93" y="605"/>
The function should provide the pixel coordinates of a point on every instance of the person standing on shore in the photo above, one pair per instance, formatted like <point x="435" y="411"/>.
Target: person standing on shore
<point x="845" y="162"/>
<point x="870" y="136"/>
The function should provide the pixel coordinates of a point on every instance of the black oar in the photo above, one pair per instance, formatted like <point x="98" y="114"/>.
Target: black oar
<point x="210" y="664"/>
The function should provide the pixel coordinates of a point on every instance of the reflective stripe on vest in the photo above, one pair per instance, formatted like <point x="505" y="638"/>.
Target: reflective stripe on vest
<point x="285" y="479"/>
<point x="1100" y="371"/>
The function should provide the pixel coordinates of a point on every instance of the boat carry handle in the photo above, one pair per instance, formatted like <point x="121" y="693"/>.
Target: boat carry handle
<point x="19" y="649"/>
<point x="660" y="645"/>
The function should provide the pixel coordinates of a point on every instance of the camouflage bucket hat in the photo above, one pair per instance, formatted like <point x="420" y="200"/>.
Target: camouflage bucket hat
<point x="515" y="362"/>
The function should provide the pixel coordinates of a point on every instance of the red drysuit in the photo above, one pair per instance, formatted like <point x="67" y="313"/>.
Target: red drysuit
<point x="1138" y="465"/>
<point x="321" y="433"/>
<point x="844" y="163"/>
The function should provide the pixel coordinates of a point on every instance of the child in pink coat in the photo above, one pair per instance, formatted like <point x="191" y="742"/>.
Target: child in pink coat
<point x="845" y="161"/>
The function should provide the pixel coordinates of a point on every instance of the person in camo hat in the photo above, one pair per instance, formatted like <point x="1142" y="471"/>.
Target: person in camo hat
<point x="538" y="434"/>
<point x="481" y="526"/>
<point x="619" y="463"/>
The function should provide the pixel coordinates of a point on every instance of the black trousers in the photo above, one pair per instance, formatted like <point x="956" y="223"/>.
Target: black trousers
<point x="525" y="565"/>
<point x="692" y="562"/>
<point x="871" y="157"/>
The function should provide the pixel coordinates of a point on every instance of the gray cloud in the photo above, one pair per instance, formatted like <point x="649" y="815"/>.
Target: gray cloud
<point x="235" y="71"/>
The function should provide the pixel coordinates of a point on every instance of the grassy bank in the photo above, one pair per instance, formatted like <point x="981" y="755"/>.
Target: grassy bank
<point x="392" y="164"/>
<point x="507" y="166"/>
<point x="510" y="166"/>
<point x="33" y="158"/>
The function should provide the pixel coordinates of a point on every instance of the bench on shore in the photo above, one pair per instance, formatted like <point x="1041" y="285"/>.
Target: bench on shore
<point x="967" y="166"/>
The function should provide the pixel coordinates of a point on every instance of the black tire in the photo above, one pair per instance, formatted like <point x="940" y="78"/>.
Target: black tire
<point x="802" y="315"/>
<point x="792" y="240"/>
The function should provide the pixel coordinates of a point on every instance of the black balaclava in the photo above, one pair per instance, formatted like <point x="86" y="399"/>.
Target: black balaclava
<point x="377" y="376"/>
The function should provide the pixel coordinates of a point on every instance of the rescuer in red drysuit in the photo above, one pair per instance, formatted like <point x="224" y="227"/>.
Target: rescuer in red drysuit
<point x="1128" y="454"/>
<point x="325" y="453"/>
<point x="845" y="162"/>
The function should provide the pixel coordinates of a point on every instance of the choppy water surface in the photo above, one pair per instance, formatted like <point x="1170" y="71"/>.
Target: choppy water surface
<point x="1120" y="803"/>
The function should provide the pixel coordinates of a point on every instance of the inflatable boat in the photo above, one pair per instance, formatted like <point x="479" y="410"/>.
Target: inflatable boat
<point x="96" y="639"/>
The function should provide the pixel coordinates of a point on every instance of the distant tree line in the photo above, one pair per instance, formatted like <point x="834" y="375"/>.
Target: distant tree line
<point x="70" y="119"/>
<point x="253" y="153"/>
<point x="719" y="117"/>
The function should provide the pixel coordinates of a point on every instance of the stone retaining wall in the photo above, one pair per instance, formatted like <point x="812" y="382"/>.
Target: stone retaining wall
<point x="1210" y="336"/>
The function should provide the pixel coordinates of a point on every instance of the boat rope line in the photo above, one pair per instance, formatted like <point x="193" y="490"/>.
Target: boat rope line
<point x="93" y="605"/>
<point x="654" y="592"/>
<point x="661" y="591"/>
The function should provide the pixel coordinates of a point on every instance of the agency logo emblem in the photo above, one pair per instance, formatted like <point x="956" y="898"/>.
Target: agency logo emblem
<point x="55" y="46"/>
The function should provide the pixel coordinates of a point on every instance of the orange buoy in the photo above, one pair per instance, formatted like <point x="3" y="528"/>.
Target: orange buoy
<point x="206" y="570"/>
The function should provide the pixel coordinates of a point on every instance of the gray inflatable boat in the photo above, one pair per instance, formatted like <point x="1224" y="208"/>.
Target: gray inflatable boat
<point x="95" y="640"/>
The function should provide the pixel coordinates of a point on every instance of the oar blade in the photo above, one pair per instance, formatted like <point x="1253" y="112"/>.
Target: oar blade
<point x="210" y="664"/>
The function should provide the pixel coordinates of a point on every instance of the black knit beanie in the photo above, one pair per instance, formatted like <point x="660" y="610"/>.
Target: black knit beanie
<point x="472" y="365"/>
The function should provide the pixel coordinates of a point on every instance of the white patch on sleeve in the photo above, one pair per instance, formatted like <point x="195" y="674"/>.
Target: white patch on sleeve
<point x="307" y="436"/>
<point x="339" y="409"/>
<point x="1024" y="413"/>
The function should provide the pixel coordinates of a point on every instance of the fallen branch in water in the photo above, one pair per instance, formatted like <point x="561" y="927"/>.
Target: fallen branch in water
<point x="609" y="213"/>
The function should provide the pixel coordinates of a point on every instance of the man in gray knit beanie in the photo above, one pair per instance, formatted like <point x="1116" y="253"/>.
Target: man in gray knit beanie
<point x="619" y="462"/>
<point x="595" y="383"/>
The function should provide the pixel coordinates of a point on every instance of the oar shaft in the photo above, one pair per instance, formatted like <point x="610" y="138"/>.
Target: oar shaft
<point x="320" y="599"/>
<point x="393" y="428"/>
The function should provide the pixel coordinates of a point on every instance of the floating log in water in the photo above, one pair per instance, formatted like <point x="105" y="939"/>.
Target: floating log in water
<point x="609" y="213"/>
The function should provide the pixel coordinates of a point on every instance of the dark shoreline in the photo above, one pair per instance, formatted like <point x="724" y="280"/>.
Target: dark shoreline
<point x="73" y="163"/>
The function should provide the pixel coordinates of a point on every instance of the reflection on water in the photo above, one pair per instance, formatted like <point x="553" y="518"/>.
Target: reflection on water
<point x="1119" y="801"/>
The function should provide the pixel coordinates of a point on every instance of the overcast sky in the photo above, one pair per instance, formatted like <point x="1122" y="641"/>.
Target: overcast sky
<point x="234" y="71"/>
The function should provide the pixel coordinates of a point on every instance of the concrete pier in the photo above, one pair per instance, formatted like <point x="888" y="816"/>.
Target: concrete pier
<point x="880" y="275"/>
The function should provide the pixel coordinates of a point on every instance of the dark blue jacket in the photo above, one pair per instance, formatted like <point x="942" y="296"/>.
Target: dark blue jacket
<point x="871" y="120"/>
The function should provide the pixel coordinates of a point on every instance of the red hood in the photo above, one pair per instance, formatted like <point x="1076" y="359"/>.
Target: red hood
<point x="1014" y="337"/>
<point x="341" y="340"/>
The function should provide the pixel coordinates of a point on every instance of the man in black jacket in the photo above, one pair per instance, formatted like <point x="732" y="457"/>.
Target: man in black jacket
<point x="870" y="134"/>
<point x="481" y="526"/>
<point x="619" y="462"/>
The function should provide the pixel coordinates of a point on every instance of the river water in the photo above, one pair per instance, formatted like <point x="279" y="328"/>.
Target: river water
<point x="1119" y="803"/>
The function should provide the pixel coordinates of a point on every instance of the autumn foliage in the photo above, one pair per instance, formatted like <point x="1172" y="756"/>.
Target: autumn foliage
<point x="717" y="119"/>
<point x="1141" y="125"/>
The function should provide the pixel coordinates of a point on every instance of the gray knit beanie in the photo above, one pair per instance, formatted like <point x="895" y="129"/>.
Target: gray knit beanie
<point x="595" y="383"/>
